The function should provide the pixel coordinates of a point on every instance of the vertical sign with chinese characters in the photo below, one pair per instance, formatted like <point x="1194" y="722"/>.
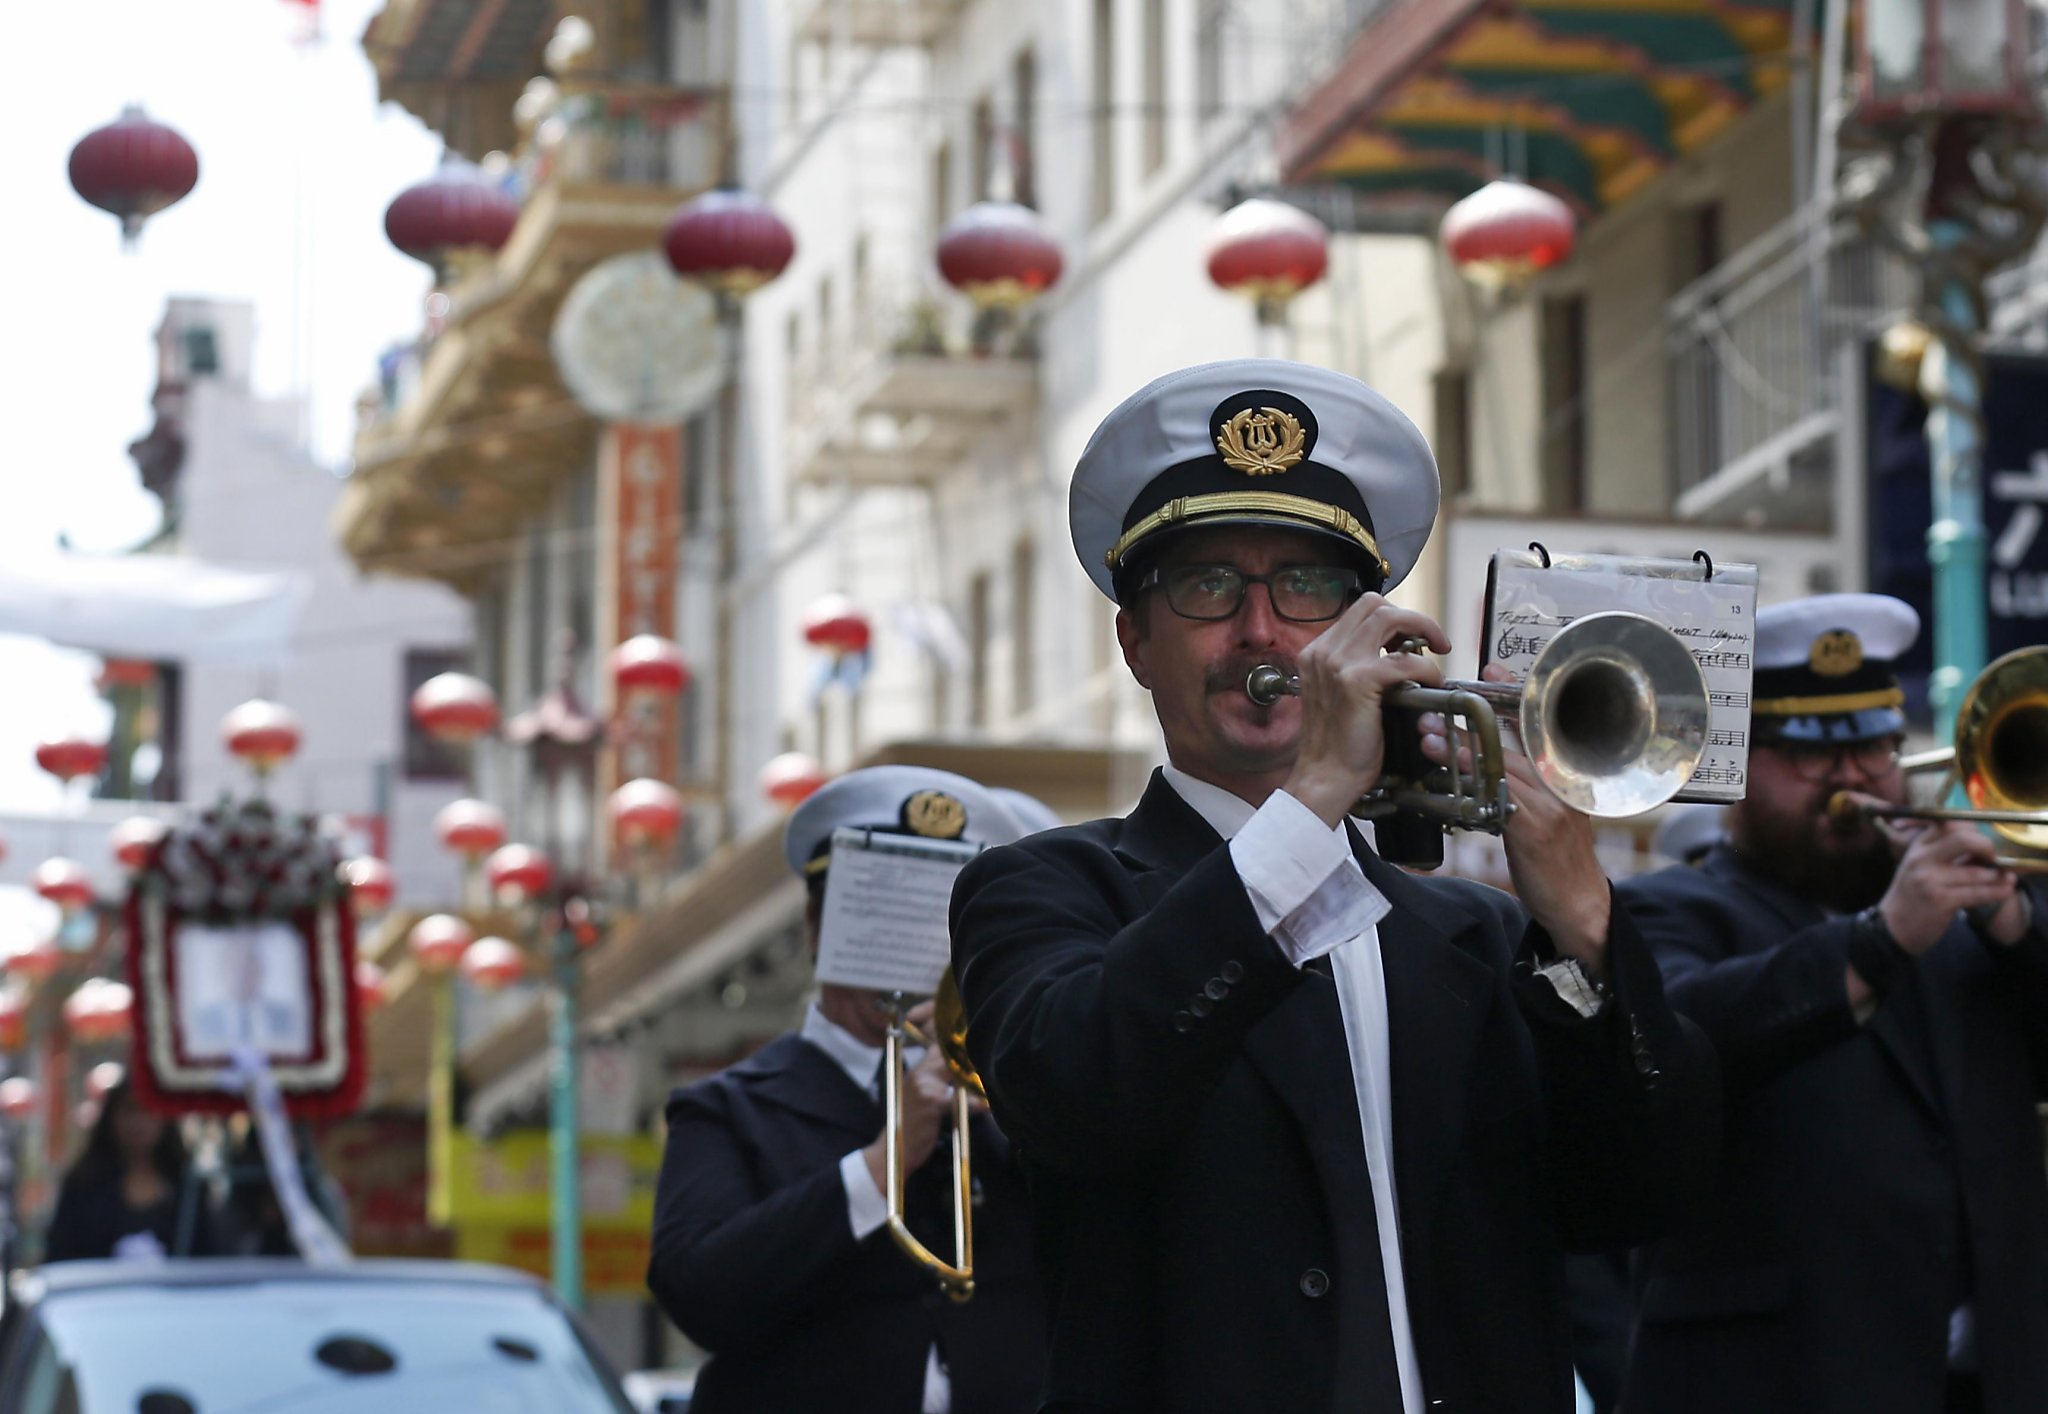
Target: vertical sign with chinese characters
<point x="640" y="504"/>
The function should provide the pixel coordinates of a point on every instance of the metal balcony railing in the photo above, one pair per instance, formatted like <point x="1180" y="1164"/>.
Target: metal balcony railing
<point x="1752" y="345"/>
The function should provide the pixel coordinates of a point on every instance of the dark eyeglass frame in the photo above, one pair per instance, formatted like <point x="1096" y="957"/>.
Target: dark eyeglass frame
<point x="1814" y="761"/>
<point x="1156" y="578"/>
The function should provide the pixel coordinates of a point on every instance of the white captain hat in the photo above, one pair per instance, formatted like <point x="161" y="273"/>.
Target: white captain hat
<point x="1826" y="668"/>
<point x="1254" y="441"/>
<point x="900" y="800"/>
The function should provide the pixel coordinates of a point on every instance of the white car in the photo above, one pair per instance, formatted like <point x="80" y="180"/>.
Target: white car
<point x="243" y="1335"/>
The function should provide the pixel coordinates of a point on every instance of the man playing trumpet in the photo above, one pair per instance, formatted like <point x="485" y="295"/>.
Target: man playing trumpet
<point x="1879" y="1241"/>
<point x="1304" y="1131"/>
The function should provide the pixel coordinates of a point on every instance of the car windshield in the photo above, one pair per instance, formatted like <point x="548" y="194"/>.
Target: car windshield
<point x="324" y="1348"/>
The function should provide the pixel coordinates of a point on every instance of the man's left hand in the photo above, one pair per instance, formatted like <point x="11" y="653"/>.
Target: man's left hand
<point x="1550" y="857"/>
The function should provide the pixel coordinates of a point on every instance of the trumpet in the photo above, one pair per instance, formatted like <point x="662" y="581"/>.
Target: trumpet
<point x="949" y="1024"/>
<point x="1613" y="714"/>
<point x="1999" y="758"/>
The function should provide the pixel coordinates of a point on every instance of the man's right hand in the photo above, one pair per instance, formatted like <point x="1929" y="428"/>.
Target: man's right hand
<point x="927" y="1108"/>
<point x="1946" y="868"/>
<point x="1346" y="673"/>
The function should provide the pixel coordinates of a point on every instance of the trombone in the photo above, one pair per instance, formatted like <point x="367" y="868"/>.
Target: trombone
<point x="949" y="1024"/>
<point x="1613" y="713"/>
<point x="1999" y="758"/>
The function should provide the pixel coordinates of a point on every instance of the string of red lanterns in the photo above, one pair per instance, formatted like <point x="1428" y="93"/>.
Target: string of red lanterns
<point x="493" y="964"/>
<point x="100" y="1012"/>
<point x="646" y="813"/>
<point x="728" y="240"/>
<point x="791" y="777"/>
<point x="1267" y="251"/>
<point x="455" y="707"/>
<point x="470" y="828"/>
<point x="63" y="882"/>
<point x="134" y="840"/>
<point x="999" y="254"/>
<point x="370" y="884"/>
<point x="458" y="209"/>
<point x="518" y="873"/>
<point x="71" y="755"/>
<point x="262" y="733"/>
<point x="438" y="941"/>
<point x="836" y="624"/>
<point x="648" y="663"/>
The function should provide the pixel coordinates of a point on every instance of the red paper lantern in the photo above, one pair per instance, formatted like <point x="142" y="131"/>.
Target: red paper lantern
<point x="837" y="625"/>
<point x="518" y="872"/>
<point x="438" y="941"/>
<point x="1507" y="231"/>
<point x="70" y="756"/>
<point x="102" y="1078"/>
<point x="17" y="1097"/>
<point x="63" y="882"/>
<point x="455" y="707"/>
<point x="38" y="962"/>
<point x="1267" y="251"/>
<point x="370" y="885"/>
<point x="790" y="777"/>
<point x="730" y="240"/>
<point x="370" y="983"/>
<point x="471" y="828"/>
<point x="999" y="254"/>
<point x="264" y="734"/>
<point x="100" y="1012"/>
<point x="133" y="168"/>
<point x="458" y="208"/>
<point x="646" y="812"/>
<point x="649" y="663"/>
<point x="493" y="964"/>
<point x="134" y="840"/>
<point x="13" y="1019"/>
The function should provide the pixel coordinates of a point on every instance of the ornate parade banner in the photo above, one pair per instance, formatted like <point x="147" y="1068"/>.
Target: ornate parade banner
<point x="242" y="950"/>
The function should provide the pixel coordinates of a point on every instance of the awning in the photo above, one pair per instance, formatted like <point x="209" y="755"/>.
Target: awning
<point x="152" y="607"/>
<point x="1590" y="99"/>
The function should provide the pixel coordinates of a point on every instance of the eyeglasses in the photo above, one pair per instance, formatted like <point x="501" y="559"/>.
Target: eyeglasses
<point x="1817" y="761"/>
<point x="1303" y="594"/>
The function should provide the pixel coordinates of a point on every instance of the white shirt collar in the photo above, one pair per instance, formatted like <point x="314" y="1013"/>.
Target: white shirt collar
<point x="856" y="1057"/>
<point x="1226" y="813"/>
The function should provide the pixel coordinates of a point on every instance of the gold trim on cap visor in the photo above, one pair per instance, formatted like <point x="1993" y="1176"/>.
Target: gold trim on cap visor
<point x="1823" y="706"/>
<point x="1276" y="503"/>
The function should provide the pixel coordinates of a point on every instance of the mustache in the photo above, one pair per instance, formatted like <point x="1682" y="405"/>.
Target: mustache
<point x="1229" y="674"/>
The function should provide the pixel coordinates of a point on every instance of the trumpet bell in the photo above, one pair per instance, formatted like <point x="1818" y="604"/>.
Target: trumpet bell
<point x="1613" y="714"/>
<point x="2001" y="745"/>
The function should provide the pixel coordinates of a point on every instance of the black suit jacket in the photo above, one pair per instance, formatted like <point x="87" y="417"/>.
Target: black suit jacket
<point x="1875" y="1174"/>
<point x="1183" y="1102"/>
<point x="754" y="1259"/>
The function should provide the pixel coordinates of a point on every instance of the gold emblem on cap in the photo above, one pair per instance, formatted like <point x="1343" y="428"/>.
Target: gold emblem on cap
<point x="1836" y="653"/>
<point x="1262" y="441"/>
<point x="935" y="815"/>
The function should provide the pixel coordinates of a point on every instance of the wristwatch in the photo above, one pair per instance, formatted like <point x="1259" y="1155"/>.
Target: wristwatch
<point x="1874" y="952"/>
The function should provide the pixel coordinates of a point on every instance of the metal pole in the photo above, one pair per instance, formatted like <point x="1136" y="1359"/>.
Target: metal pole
<point x="1952" y="381"/>
<point x="565" y="1208"/>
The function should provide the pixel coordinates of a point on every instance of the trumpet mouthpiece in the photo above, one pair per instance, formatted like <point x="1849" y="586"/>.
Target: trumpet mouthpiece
<point x="1268" y="684"/>
<point x="1845" y="809"/>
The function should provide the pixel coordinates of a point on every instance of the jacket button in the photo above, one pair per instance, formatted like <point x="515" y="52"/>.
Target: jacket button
<point x="1183" y="1022"/>
<point x="1231" y="972"/>
<point x="1315" y="1282"/>
<point x="1201" y="1005"/>
<point x="1217" y="989"/>
<point x="1644" y="1067"/>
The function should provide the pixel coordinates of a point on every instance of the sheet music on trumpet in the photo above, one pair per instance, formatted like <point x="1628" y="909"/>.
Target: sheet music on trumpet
<point x="1532" y="594"/>
<point x="887" y="897"/>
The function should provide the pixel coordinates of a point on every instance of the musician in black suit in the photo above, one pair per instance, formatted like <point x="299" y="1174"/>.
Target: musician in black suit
<point x="1879" y="1242"/>
<point x="1305" y="1132"/>
<point x="770" y="1249"/>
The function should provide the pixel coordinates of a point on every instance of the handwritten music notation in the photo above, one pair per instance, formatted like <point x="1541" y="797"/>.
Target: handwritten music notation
<point x="1727" y="737"/>
<point x="1721" y="658"/>
<point x="1734" y="701"/>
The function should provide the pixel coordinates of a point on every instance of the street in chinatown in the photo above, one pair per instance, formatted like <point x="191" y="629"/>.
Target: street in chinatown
<point x="944" y="707"/>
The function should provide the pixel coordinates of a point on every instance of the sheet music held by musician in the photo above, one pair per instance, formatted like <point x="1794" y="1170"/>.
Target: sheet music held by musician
<point x="1527" y="604"/>
<point x="886" y="901"/>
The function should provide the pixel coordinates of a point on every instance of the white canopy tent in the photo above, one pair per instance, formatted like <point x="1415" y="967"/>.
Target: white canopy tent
<point x="154" y="607"/>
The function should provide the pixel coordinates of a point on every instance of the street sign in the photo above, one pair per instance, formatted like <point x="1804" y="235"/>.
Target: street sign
<point x="2015" y="508"/>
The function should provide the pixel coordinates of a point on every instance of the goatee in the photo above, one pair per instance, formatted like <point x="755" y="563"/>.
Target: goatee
<point x="1847" y="878"/>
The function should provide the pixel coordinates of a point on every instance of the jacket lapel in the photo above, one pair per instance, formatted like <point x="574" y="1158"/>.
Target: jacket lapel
<point x="792" y="1073"/>
<point x="1894" y="1030"/>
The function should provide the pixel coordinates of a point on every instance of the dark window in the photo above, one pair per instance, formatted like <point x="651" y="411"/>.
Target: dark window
<point x="202" y="353"/>
<point x="1454" y="430"/>
<point x="977" y="650"/>
<point x="1155" y="85"/>
<point x="1563" y="355"/>
<point x="1102" y="107"/>
<point x="1024" y="81"/>
<point x="1023" y="636"/>
<point x="427" y="759"/>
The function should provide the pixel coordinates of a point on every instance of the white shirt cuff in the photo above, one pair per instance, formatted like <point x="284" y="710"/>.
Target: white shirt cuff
<point x="866" y="1208"/>
<point x="1569" y="981"/>
<point x="1303" y="882"/>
